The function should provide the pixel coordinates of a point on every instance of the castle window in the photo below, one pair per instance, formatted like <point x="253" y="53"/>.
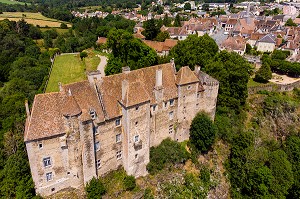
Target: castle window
<point x="136" y="108"/>
<point x="166" y="104"/>
<point x="98" y="164"/>
<point x="197" y="105"/>
<point x="47" y="162"/>
<point x="53" y="189"/>
<point x="40" y="145"/>
<point x="171" y="115"/>
<point x="136" y="138"/>
<point x="136" y="156"/>
<point x="119" y="155"/>
<point x="189" y="87"/>
<point x="136" y="123"/>
<point x="118" y="138"/>
<point x="154" y="108"/>
<point x="49" y="176"/>
<point x="171" y="129"/>
<point x="97" y="146"/>
<point x="171" y="102"/>
<point x="93" y="114"/>
<point x="198" y="95"/>
<point x="118" y="122"/>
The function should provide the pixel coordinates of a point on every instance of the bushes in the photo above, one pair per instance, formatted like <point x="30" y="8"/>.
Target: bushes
<point x="95" y="189"/>
<point x="129" y="183"/>
<point x="202" y="132"/>
<point x="168" y="152"/>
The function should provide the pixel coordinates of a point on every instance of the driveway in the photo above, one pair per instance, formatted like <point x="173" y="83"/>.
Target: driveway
<point x="102" y="64"/>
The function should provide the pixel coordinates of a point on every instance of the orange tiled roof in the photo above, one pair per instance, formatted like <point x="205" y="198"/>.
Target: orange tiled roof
<point x="185" y="76"/>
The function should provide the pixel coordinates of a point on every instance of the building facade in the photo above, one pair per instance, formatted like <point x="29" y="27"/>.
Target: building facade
<point x="91" y="127"/>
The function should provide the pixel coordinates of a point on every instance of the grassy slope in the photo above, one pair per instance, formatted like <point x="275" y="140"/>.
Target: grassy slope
<point x="69" y="68"/>
<point x="32" y="18"/>
<point x="11" y="2"/>
<point x="66" y="69"/>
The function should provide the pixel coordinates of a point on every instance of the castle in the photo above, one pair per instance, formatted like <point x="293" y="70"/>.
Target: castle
<point x="91" y="127"/>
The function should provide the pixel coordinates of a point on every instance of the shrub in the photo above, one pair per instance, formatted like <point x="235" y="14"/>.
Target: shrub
<point x="168" y="152"/>
<point x="129" y="183"/>
<point x="148" y="194"/>
<point x="95" y="189"/>
<point x="202" y="132"/>
<point x="83" y="55"/>
<point x="63" y="26"/>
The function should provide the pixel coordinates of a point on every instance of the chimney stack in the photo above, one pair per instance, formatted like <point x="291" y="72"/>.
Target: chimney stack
<point x="197" y="69"/>
<point x="60" y="86"/>
<point x="125" y="69"/>
<point x="27" y="109"/>
<point x="172" y="61"/>
<point x="124" y="88"/>
<point x="158" y="78"/>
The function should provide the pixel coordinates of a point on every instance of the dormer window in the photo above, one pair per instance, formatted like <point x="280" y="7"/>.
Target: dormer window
<point x="93" y="114"/>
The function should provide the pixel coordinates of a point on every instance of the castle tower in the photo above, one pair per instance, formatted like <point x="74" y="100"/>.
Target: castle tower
<point x="136" y="126"/>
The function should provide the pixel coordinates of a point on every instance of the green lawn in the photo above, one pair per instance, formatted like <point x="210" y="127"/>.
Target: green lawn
<point x="11" y="2"/>
<point x="66" y="69"/>
<point x="69" y="68"/>
<point x="251" y="83"/>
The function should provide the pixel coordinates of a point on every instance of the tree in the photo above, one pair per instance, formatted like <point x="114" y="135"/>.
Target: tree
<point x="290" y="22"/>
<point x="63" y="26"/>
<point x="194" y="51"/>
<point x="264" y="73"/>
<point x="187" y="6"/>
<point x="202" y="132"/>
<point x="95" y="189"/>
<point x="162" y="36"/>
<point x="177" y="21"/>
<point x="233" y="72"/>
<point x="166" y="21"/>
<point x="83" y="55"/>
<point x="151" y="29"/>
<point x="248" y="48"/>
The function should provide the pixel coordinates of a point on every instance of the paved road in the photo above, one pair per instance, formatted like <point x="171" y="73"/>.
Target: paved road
<point x="102" y="64"/>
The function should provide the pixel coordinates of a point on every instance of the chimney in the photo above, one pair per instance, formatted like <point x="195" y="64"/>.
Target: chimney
<point x="60" y="87"/>
<point x="172" y="61"/>
<point x="158" y="78"/>
<point x="197" y="69"/>
<point x="126" y="69"/>
<point x="124" y="88"/>
<point x="27" y="109"/>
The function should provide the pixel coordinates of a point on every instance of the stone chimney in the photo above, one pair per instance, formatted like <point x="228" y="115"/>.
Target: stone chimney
<point x="158" y="78"/>
<point x="197" y="69"/>
<point x="27" y="109"/>
<point x="172" y="61"/>
<point x="126" y="69"/>
<point x="124" y="88"/>
<point x="60" y="87"/>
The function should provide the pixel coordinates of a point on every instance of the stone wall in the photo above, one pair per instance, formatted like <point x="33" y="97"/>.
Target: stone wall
<point x="274" y="87"/>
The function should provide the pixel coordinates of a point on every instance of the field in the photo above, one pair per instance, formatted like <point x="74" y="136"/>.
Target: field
<point x="32" y="18"/>
<point x="69" y="68"/>
<point x="58" y="30"/>
<point x="11" y="2"/>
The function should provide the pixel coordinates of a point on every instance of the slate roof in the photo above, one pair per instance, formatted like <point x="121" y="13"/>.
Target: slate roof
<point x="269" y="38"/>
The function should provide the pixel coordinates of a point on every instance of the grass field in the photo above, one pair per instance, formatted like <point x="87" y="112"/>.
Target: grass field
<point x="251" y="83"/>
<point x="11" y="2"/>
<point x="69" y="68"/>
<point x="32" y="18"/>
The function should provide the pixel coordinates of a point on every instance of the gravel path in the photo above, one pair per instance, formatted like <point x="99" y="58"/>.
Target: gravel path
<point x="102" y="64"/>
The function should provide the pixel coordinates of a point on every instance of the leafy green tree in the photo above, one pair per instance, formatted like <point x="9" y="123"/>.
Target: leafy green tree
<point x="187" y="6"/>
<point x="177" y="21"/>
<point x="194" y="51"/>
<point x="95" y="189"/>
<point x="202" y="132"/>
<point x="162" y="36"/>
<point x="151" y="29"/>
<point x="167" y="21"/>
<point x="248" y="48"/>
<point x="264" y="74"/>
<point x="233" y="72"/>
<point x="63" y="26"/>
<point x="83" y="55"/>
<point x="290" y="22"/>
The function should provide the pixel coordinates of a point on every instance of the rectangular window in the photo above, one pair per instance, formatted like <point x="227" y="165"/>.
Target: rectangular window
<point x="198" y="95"/>
<point x="97" y="146"/>
<point x="154" y="108"/>
<point x="197" y="105"/>
<point x="171" y="115"/>
<point x="118" y="138"/>
<point x="189" y="87"/>
<point x="118" y="122"/>
<point x="40" y="145"/>
<point x="47" y="162"/>
<point x="171" y="102"/>
<point x="171" y="129"/>
<point x="49" y="176"/>
<point x="136" y="138"/>
<point x="165" y="104"/>
<point x="98" y="164"/>
<point x="93" y="114"/>
<point x="119" y="155"/>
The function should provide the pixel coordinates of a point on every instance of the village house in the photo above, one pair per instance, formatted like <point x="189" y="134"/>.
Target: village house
<point x="267" y="43"/>
<point x="161" y="48"/>
<point x="236" y="44"/>
<point x="92" y="127"/>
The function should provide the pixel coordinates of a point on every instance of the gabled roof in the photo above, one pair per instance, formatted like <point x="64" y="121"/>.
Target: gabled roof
<point x="185" y="76"/>
<point x="131" y="98"/>
<point x="269" y="38"/>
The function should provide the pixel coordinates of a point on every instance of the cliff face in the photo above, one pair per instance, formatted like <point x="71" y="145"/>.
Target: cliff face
<point x="274" y="115"/>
